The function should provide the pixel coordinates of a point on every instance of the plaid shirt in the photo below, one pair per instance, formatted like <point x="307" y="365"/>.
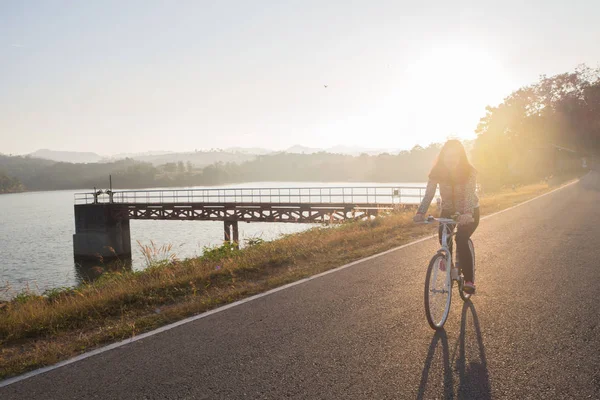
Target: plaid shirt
<point x="458" y="197"/>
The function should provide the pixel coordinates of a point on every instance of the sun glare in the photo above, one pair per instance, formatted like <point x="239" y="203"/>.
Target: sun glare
<point x="450" y="87"/>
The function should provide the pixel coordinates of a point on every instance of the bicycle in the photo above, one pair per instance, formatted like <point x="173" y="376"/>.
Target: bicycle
<point x="441" y="274"/>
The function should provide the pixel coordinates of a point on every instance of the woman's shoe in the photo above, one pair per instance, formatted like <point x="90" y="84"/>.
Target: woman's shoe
<point x="469" y="287"/>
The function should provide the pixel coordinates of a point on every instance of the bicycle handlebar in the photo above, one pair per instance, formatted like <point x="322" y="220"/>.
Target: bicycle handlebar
<point x="448" y="221"/>
<point x="445" y="220"/>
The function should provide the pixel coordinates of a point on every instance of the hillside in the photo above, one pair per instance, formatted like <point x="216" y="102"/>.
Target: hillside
<point x="198" y="159"/>
<point x="40" y="174"/>
<point x="67" y="156"/>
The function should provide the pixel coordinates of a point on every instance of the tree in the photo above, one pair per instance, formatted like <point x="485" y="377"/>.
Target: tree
<point x="517" y="139"/>
<point x="170" y="167"/>
<point x="10" y="184"/>
<point x="180" y="167"/>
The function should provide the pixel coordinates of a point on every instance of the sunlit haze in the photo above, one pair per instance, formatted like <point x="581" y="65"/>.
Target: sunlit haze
<point x="134" y="76"/>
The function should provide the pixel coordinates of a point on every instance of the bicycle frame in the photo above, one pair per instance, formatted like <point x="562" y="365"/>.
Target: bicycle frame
<point x="448" y="232"/>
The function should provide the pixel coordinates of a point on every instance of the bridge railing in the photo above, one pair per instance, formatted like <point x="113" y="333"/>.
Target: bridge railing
<point x="305" y="195"/>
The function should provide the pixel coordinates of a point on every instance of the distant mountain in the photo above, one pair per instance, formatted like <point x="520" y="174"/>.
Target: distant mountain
<point x="198" y="159"/>
<point x="355" y="151"/>
<point x="339" y="149"/>
<point x="249" y="150"/>
<point x="136" y="155"/>
<point x="67" y="156"/>
<point x="303" y="150"/>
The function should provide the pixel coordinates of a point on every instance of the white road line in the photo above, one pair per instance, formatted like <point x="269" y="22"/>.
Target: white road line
<point x="100" y="350"/>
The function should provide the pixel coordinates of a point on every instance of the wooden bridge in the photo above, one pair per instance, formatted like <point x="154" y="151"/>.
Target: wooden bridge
<point x="102" y="217"/>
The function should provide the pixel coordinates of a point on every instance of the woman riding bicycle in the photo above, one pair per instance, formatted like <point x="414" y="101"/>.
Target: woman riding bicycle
<point x="457" y="180"/>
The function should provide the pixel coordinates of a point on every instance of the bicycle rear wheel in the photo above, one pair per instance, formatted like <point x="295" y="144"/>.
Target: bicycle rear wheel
<point x="463" y="295"/>
<point x="438" y="291"/>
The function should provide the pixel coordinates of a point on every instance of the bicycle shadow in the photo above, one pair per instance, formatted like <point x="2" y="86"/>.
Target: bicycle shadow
<point x="474" y="382"/>
<point x="429" y="362"/>
<point x="474" y="379"/>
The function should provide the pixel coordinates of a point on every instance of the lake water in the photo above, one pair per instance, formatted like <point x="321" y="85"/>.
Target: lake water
<point x="36" y="236"/>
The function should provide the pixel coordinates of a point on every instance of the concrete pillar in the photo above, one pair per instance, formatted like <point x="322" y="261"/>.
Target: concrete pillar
<point x="227" y="231"/>
<point x="101" y="230"/>
<point x="236" y="234"/>
<point x="232" y="232"/>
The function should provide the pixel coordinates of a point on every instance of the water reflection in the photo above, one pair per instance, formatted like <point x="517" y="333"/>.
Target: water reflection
<point x="89" y="269"/>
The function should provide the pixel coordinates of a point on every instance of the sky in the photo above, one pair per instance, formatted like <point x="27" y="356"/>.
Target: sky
<point x="143" y="75"/>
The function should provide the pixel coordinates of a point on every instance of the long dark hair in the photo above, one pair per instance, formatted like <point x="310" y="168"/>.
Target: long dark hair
<point x="439" y="171"/>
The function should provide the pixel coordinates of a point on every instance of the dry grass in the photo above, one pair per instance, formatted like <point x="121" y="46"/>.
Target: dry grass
<point x="41" y="330"/>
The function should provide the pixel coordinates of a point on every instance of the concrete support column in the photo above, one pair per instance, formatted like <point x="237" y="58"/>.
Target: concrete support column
<point x="232" y="232"/>
<point x="101" y="230"/>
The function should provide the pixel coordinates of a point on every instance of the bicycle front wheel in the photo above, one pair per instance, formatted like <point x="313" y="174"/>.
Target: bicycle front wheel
<point x="438" y="291"/>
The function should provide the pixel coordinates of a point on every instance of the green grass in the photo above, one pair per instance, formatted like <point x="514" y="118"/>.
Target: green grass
<point x="38" y="330"/>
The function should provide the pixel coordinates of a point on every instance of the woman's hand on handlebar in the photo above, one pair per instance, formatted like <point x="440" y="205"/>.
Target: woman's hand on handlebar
<point x="465" y="219"/>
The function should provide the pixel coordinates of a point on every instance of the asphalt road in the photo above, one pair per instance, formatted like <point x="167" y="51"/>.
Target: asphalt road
<point x="532" y="330"/>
